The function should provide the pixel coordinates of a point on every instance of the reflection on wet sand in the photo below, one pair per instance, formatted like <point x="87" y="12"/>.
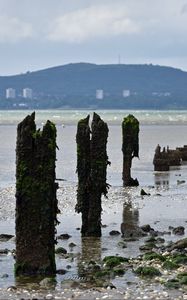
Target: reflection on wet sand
<point x="162" y="180"/>
<point x="91" y="254"/>
<point x="35" y="282"/>
<point x="130" y="219"/>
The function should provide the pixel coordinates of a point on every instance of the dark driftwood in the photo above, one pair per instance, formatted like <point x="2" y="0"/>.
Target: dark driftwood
<point x="36" y="203"/>
<point x="130" y="148"/>
<point x="92" y="163"/>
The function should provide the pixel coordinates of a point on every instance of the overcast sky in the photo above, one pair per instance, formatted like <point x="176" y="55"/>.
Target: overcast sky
<point x="36" y="34"/>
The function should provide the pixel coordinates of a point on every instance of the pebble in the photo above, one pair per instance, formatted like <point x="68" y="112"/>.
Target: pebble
<point x="4" y="276"/>
<point x="49" y="297"/>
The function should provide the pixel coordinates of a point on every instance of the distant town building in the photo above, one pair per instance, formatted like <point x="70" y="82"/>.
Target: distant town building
<point x="99" y="94"/>
<point x="10" y="93"/>
<point x="126" y="93"/>
<point x="27" y="93"/>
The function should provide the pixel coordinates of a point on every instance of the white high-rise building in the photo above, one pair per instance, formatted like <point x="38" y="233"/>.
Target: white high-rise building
<point x="99" y="94"/>
<point x="27" y="93"/>
<point x="10" y="93"/>
<point x="126" y="93"/>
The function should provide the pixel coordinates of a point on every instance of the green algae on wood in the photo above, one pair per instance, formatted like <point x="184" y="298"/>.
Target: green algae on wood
<point x="36" y="202"/>
<point x="98" y="173"/>
<point x="92" y="161"/>
<point x="83" y="171"/>
<point x="130" y="148"/>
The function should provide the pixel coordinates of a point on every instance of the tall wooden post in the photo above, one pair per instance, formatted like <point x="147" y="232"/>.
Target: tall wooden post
<point x="98" y="185"/>
<point x="36" y="202"/>
<point x="92" y="161"/>
<point x="130" y="148"/>
<point x="83" y="171"/>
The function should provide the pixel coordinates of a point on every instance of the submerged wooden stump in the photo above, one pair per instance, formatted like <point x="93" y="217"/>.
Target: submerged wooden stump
<point x="36" y="202"/>
<point x="92" y="161"/>
<point x="130" y="148"/>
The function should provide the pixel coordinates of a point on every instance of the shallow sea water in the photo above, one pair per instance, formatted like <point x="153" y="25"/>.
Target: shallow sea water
<point x="122" y="205"/>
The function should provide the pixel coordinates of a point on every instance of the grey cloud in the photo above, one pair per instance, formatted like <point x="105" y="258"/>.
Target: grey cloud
<point x="184" y="9"/>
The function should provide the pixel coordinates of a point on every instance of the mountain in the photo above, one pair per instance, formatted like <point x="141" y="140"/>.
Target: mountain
<point x="121" y="86"/>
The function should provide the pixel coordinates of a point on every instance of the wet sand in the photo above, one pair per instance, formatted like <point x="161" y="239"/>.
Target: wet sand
<point x="163" y="208"/>
<point x="166" y="206"/>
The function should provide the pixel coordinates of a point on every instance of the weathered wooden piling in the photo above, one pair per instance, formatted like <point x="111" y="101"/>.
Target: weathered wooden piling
<point x="36" y="202"/>
<point x="83" y="171"/>
<point x="130" y="148"/>
<point x="98" y="185"/>
<point x="165" y="158"/>
<point x="92" y="161"/>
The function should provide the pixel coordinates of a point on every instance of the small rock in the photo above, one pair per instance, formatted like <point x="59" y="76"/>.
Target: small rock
<point x="143" y="193"/>
<point x="61" y="250"/>
<point x="104" y="225"/>
<point x="146" y="228"/>
<point x="5" y="237"/>
<point x="68" y="267"/>
<point x="11" y="288"/>
<point x="72" y="245"/>
<point x="61" y="271"/>
<point x="64" y="236"/>
<point x="49" y="297"/>
<point x="104" y="249"/>
<point x="178" y="230"/>
<point x="114" y="232"/>
<point x="4" y="251"/>
<point x="4" y="276"/>
<point x="122" y="245"/>
<point x="160" y="240"/>
<point x="109" y="286"/>
<point x="181" y="244"/>
<point x="180" y="181"/>
<point x="147" y="247"/>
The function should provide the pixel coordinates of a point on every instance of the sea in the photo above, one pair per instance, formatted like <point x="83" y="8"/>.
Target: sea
<point x="166" y="205"/>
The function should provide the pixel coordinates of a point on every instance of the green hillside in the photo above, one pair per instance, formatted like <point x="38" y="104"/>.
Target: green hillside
<point x="75" y="85"/>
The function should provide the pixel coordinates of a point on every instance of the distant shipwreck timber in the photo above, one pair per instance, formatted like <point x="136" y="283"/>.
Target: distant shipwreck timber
<point x="166" y="158"/>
